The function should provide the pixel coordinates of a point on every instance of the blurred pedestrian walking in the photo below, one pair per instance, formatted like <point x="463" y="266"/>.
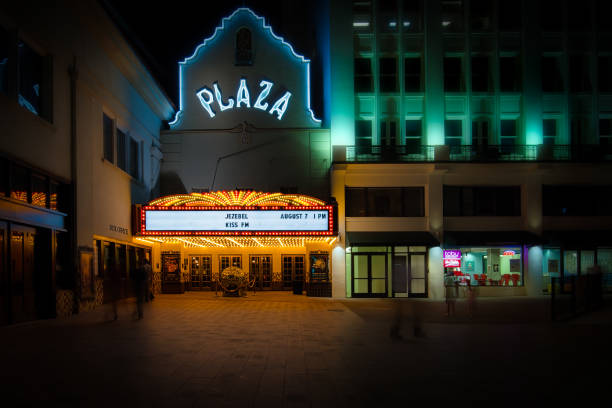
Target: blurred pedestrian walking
<point x="471" y="299"/>
<point x="148" y="276"/>
<point x="140" y="286"/>
<point x="450" y="287"/>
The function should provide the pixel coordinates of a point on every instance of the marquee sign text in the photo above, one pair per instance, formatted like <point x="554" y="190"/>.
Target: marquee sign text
<point x="237" y="220"/>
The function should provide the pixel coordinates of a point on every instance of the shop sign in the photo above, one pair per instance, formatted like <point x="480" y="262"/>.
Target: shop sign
<point x="208" y="97"/>
<point x="237" y="220"/>
<point x="451" y="258"/>
<point x="509" y="253"/>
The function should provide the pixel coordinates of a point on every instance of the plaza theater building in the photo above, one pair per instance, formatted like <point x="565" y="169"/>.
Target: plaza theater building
<point x="244" y="179"/>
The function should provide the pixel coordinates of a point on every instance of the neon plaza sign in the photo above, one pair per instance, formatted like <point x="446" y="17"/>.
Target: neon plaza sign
<point x="208" y="97"/>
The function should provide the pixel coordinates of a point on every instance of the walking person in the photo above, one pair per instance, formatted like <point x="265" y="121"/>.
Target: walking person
<point x="140" y="285"/>
<point x="450" y="287"/>
<point x="148" y="276"/>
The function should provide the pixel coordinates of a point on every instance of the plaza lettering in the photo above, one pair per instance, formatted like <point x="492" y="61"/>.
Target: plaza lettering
<point x="208" y="97"/>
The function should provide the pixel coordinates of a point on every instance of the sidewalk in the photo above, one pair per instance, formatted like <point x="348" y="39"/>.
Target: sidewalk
<point x="279" y="349"/>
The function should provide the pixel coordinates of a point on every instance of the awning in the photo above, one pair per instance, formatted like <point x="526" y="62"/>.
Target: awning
<point x="476" y="238"/>
<point x="421" y="238"/>
<point x="578" y="238"/>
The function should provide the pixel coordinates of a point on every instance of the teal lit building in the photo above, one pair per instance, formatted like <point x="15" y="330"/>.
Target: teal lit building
<point x="479" y="126"/>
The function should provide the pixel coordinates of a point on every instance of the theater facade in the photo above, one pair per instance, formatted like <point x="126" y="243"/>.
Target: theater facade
<point x="244" y="180"/>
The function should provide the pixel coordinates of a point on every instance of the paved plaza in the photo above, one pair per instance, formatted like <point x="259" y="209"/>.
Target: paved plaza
<point x="285" y="350"/>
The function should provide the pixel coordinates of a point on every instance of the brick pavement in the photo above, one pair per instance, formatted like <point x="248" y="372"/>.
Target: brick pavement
<point x="278" y="349"/>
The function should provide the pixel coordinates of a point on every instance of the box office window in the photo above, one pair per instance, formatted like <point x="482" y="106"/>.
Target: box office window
<point x="385" y="202"/>
<point x="482" y="201"/>
<point x="576" y="200"/>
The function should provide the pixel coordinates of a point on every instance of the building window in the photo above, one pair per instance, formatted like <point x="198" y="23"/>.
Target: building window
<point x="509" y="74"/>
<point x="30" y="78"/>
<point x="579" y="13"/>
<point x="481" y="80"/>
<point x="580" y="129"/>
<point x="480" y="132"/>
<point x="501" y="266"/>
<point x="388" y="132"/>
<point x="414" y="134"/>
<point x="452" y="15"/>
<point x="510" y="15"/>
<point x="388" y="74"/>
<point x="40" y="190"/>
<point x="552" y="81"/>
<point x="604" y="67"/>
<point x="108" y="130"/>
<point x="576" y="200"/>
<point x="549" y="130"/>
<point x="563" y="263"/>
<point x="481" y="15"/>
<point x="385" y="202"/>
<point x="121" y="150"/>
<point x="453" y="133"/>
<point x="244" y="47"/>
<point x="579" y="73"/>
<point x="134" y="159"/>
<point x="20" y="183"/>
<point x="482" y="201"/>
<point x="412" y="74"/>
<point x="5" y="50"/>
<point x="363" y="75"/>
<point x="412" y="20"/>
<point x="225" y="261"/>
<point x="363" y="134"/>
<point x="453" y="74"/>
<point x="362" y="16"/>
<point x="387" y="15"/>
<point x="508" y="132"/>
<point x="604" y="23"/>
<point x="605" y="134"/>
<point x="551" y="15"/>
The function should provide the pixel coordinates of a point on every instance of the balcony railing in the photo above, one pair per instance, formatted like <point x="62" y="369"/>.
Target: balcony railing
<point x="475" y="153"/>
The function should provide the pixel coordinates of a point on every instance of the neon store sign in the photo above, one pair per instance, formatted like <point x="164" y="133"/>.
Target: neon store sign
<point x="451" y="258"/>
<point x="208" y="97"/>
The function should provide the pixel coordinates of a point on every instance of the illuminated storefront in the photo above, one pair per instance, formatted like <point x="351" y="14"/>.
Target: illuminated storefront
<point x="283" y="240"/>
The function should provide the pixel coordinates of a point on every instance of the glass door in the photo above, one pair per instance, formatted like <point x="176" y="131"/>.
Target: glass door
<point x="293" y="270"/>
<point x="200" y="271"/>
<point x="369" y="275"/>
<point x="260" y="270"/>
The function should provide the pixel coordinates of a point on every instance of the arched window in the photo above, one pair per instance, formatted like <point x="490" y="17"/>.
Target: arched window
<point x="244" y="50"/>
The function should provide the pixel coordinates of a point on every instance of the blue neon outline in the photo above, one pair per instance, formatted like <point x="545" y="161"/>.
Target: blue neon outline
<point x="179" y="113"/>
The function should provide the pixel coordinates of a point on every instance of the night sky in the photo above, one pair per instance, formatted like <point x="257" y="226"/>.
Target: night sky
<point x="164" y="35"/>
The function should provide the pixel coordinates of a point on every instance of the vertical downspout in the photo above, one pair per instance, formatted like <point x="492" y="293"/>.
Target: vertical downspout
<point x="73" y="73"/>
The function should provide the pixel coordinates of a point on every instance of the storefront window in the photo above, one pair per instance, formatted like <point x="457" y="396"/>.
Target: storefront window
<point x="570" y="263"/>
<point x="604" y="260"/>
<point x="501" y="266"/>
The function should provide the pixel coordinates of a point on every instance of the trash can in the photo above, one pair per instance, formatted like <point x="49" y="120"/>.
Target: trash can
<point x="298" y="287"/>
